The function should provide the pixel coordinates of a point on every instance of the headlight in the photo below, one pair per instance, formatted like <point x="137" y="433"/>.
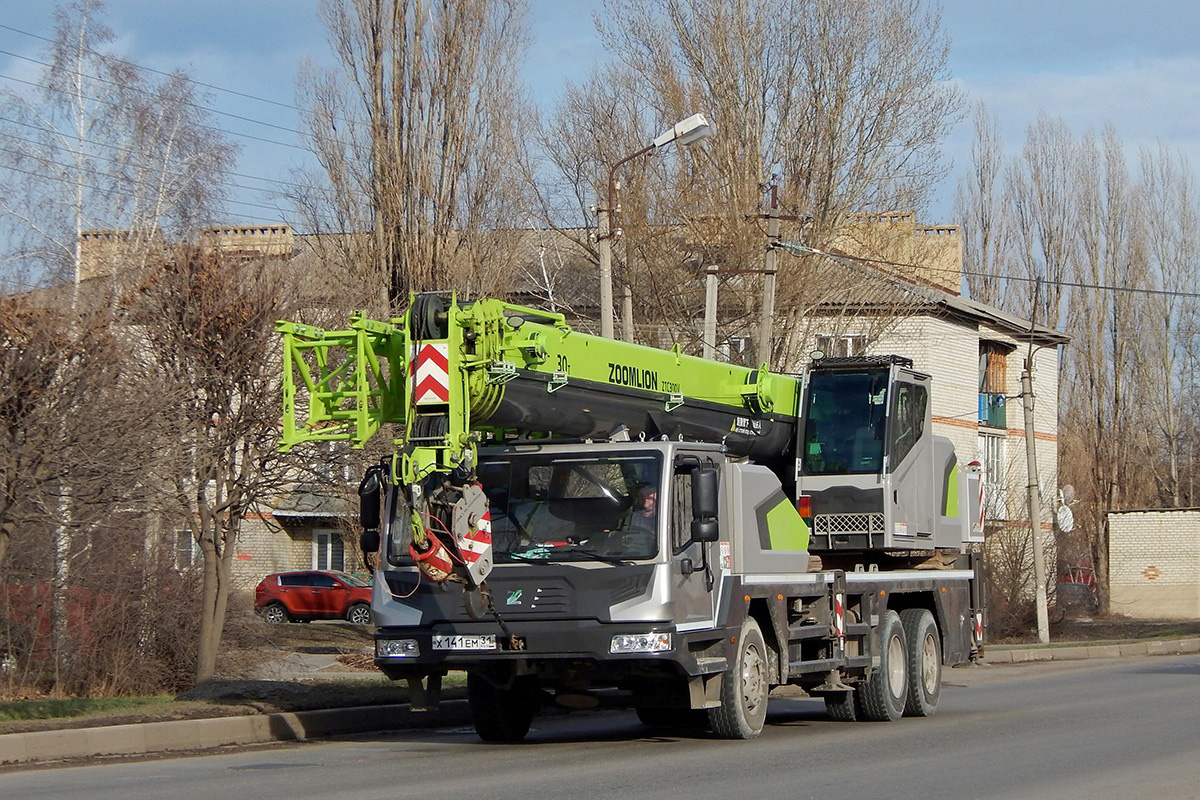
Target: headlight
<point x="396" y="648"/>
<point x="640" y="643"/>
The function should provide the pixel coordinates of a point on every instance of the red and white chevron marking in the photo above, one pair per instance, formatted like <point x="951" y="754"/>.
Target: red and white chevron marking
<point x="432" y="374"/>
<point x="839" y="618"/>
<point x="478" y="540"/>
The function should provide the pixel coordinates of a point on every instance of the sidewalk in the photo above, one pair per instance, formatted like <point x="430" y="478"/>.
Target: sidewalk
<point x="201" y="734"/>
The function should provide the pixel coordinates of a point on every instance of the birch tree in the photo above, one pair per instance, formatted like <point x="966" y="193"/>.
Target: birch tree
<point x="95" y="145"/>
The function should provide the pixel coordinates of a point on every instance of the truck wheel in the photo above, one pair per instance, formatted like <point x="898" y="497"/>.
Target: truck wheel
<point x="500" y="714"/>
<point x="841" y="706"/>
<point x="883" y="694"/>
<point x="744" y="689"/>
<point x="924" y="662"/>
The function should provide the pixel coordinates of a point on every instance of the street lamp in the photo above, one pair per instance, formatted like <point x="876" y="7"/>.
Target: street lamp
<point x="692" y="129"/>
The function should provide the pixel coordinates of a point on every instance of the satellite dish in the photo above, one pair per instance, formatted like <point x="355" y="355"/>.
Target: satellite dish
<point x="1066" y="519"/>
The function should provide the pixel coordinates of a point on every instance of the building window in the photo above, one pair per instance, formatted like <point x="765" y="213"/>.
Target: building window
<point x="991" y="455"/>
<point x="841" y="346"/>
<point x="328" y="551"/>
<point x="993" y="377"/>
<point x="187" y="552"/>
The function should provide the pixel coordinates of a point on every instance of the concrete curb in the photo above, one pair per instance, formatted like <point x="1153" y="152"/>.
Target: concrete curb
<point x="200" y="734"/>
<point x="1017" y="654"/>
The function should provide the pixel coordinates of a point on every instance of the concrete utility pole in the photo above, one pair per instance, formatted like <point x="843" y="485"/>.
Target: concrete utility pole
<point x="627" y="314"/>
<point x="766" y="321"/>
<point x="1035" y="502"/>
<point x="710" y="313"/>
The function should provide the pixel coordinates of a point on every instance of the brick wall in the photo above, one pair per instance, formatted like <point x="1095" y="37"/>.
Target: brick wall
<point x="1154" y="563"/>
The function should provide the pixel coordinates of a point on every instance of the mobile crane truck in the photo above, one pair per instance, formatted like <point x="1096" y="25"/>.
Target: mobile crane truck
<point x="577" y="521"/>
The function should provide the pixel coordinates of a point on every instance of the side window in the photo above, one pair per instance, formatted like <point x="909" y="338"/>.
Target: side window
<point x="325" y="582"/>
<point x="681" y="509"/>
<point x="908" y="420"/>
<point x="295" y="580"/>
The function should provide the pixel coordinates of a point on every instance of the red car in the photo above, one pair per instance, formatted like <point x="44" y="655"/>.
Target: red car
<point x="313" y="594"/>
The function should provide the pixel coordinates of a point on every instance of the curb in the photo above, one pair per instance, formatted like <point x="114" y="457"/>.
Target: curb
<point x="1017" y="654"/>
<point x="200" y="734"/>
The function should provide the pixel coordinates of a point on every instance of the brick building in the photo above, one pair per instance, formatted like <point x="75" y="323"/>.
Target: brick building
<point x="1154" y="563"/>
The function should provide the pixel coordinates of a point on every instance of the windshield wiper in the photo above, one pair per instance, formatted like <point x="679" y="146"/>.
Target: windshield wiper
<point x="607" y="559"/>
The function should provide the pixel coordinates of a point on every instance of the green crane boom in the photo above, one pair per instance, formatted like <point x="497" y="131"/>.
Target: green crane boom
<point x="454" y="374"/>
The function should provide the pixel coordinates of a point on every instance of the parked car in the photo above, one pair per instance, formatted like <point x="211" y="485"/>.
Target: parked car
<point x="313" y="594"/>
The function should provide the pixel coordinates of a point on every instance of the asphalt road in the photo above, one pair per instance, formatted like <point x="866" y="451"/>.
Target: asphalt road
<point x="1122" y="728"/>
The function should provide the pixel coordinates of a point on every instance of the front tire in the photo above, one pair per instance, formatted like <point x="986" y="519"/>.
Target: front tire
<point x="359" y="614"/>
<point x="500" y="714"/>
<point x="882" y="695"/>
<point x="924" y="662"/>
<point x="744" y="689"/>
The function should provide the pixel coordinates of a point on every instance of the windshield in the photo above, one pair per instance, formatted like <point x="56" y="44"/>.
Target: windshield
<point x="550" y="508"/>
<point x="845" y="422"/>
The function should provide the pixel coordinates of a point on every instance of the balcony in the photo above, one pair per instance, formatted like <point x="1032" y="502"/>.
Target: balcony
<point x="991" y="410"/>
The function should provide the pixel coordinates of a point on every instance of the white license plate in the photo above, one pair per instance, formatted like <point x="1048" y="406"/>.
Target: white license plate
<point x="464" y="642"/>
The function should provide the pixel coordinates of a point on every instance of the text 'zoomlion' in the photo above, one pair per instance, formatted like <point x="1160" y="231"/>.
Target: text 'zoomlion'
<point x="625" y="375"/>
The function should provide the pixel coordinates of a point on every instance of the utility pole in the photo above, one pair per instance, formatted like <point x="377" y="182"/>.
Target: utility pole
<point x="604" y="243"/>
<point x="710" y="313"/>
<point x="627" y="313"/>
<point x="1035" y="501"/>
<point x="766" y="322"/>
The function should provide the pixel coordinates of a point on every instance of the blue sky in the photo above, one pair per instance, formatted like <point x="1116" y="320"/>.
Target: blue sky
<point x="1136" y="64"/>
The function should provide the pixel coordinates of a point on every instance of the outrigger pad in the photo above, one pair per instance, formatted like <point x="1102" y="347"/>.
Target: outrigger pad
<point x="472" y="524"/>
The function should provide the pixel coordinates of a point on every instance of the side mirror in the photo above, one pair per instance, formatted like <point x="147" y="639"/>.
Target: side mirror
<point x="705" y="490"/>
<point x="370" y="492"/>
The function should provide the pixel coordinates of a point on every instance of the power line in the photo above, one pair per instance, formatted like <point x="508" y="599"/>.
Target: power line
<point x="199" y="125"/>
<point x="164" y="74"/>
<point x="62" y="179"/>
<point x="804" y="249"/>
<point x="189" y="79"/>
<point x="147" y="91"/>
<point x="130" y="150"/>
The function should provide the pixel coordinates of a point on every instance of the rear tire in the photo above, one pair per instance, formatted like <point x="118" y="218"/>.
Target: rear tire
<point x="276" y="614"/>
<point x="924" y="662"/>
<point x="744" y="689"/>
<point x="883" y="694"/>
<point x="500" y="714"/>
<point x="841" y="706"/>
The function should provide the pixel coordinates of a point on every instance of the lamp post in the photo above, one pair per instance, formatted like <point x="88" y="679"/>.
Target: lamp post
<point x="692" y="129"/>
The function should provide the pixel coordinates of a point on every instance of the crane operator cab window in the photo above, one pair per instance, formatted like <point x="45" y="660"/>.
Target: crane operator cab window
<point x="845" y="423"/>
<point x="601" y="508"/>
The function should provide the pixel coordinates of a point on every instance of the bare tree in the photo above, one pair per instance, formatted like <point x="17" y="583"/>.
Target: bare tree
<point x="98" y="146"/>
<point x="840" y="104"/>
<point x="417" y="131"/>
<point x="978" y="207"/>
<point x="205" y="332"/>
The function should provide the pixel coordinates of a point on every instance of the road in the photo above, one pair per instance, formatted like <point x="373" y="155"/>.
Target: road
<point x="1122" y="728"/>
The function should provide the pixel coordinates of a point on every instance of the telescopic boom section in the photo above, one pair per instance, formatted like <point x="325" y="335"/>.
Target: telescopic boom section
<point x="453" y="374"/>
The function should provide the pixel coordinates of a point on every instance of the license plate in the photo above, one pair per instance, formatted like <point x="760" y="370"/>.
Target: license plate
<point x="487" y="642"/>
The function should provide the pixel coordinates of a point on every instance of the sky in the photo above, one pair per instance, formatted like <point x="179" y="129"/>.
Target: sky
<point x="1134" y="64"/>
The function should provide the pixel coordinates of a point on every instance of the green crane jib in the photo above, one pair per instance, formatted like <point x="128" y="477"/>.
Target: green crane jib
<point x="453" y="375"/>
